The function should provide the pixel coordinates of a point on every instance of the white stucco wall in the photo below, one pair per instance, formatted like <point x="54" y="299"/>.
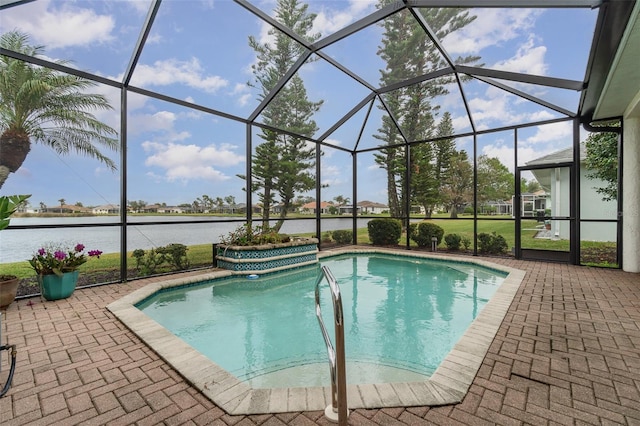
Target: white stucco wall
<point x="593" y="207"/>
<point x="631" y="192"/>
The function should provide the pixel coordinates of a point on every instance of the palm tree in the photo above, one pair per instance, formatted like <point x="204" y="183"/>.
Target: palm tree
<point x="45" y="106"/>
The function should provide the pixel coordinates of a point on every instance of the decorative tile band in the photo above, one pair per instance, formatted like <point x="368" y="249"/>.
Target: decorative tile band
<point x="262" y="259"/>
<point x="230" y="252"/>
<point x="266" y="265"/>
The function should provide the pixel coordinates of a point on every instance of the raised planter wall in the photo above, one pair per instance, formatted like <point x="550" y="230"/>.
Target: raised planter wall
<point x="266" y="258"/>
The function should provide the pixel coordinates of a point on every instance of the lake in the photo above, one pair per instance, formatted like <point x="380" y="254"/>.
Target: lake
<point x="20" y="244"/>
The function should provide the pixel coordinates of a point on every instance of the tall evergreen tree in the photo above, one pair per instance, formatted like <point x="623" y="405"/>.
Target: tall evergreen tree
<point x="432" y="166"/>
<point x="408" y="52"/>
<point x="458" y="189"/>
<point x="282" y="165"/>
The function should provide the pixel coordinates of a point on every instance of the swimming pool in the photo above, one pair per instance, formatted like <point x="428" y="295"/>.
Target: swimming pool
<point x="402" y="316"/>
<point x="407" y="379"/>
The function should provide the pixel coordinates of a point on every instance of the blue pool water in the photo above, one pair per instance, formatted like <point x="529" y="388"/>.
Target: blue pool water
<point x="402" y="316"/>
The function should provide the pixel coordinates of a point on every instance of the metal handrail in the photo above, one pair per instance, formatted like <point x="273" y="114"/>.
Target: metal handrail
<point x="337" y="361"/>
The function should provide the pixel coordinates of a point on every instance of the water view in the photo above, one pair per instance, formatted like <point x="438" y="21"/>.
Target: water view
<point x="19" y="244"/>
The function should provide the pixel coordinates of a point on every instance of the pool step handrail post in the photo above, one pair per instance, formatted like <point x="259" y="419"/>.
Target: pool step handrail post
<point x="338" y="411"/>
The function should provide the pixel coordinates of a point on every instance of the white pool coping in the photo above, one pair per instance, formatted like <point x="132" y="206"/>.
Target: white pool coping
<point x="447" y="385"/>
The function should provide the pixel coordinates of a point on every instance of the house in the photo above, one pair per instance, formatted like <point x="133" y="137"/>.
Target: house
<point x="66" y="208"/>
<point x="555" y="182"/>
<point x="170" y="209"/>
<point x="370" y="207"/>
<point x="496" y="207"/>
<point x="106" y="209"/>
<point x="531" y="203"/>
<point x="310" y="208"/>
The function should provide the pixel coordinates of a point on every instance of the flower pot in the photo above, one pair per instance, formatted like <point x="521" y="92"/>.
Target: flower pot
<point x="55" y="287"/>
<point x="8" y="290"/>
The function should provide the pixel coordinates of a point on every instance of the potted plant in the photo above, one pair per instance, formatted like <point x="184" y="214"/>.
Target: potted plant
<point x="57" y="268"/>
<point x="249" y="251"/>
<point x="9" y="283"/>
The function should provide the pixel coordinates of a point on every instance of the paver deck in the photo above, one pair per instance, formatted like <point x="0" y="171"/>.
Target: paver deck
<point x="568" y="352"/>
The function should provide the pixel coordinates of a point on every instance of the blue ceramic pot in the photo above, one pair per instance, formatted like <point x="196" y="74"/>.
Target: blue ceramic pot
<point x="54" y="287"/>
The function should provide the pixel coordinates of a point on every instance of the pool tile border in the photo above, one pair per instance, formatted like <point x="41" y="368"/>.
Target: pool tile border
<point x="448" y="384"/>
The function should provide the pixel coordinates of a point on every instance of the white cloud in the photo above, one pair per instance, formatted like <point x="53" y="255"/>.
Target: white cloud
<point x="332" y="176"/>
<point x="492" y="27"/>
<point x="60" y="27"/>
<point x="550" y="133"/>
<point x="546" y="140"/>
<point x="528" y="59"/>
<point x="171" y="71"/>
<point x="241" y="90"/>
<point x="503" y="152"/>
<point x="161" y="121"/>
<point x="191" y="162"/>
<point x="329" y="21"/>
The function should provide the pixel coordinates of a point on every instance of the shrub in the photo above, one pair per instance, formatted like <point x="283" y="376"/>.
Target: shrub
<point x="343" y="236"/>
<point x="326" y="237"/>
<point x="453" y="241"/>
<point x="423" y="232"/>
<point x="466" y="243"/>
<point x="245" y="235"/>
<point x="384" y="231"/>
<point x="492" y="243"/>
<point x="173" y="255"/>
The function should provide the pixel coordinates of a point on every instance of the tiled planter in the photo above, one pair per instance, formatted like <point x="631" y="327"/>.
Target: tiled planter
<point x="261" y="259"/>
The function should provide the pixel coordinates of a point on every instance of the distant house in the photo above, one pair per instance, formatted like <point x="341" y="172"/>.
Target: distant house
<point x="555" y="182"/>
<point x="370" y="207"/>
<point x="170" y="209"/>
<point x="106" y="209"/>
<point x="234" y="208"/>
<point x="66" y="208"/>
<point x="310" y="208"/>
<point x="496" y="207"/>
<point x="347" y="209"/>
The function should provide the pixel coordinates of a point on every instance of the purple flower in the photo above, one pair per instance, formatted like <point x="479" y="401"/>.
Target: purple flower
<point x="96" y="253"/>
<point x="79" y="247"/>
<point x="59" y="255"/>
<point x="42" y="252"/>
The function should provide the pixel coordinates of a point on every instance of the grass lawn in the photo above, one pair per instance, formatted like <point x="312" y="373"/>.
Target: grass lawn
<point x="594" y="253"/>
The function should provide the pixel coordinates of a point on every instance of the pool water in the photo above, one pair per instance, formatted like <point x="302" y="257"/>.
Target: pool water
<point x="402" y="316"/>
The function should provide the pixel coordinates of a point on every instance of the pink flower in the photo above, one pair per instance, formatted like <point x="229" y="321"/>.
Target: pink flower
<point x="79" y="247"/>
<point x="42" y="252"/>
<point x="59" y="255"/>
<point x="96" y="253"/>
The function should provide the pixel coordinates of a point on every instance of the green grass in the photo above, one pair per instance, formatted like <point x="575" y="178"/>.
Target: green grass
<point x="197" y="254"/>
<point x="202" y="254"/>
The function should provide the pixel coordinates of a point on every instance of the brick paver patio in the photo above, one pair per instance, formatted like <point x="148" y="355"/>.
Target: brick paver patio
<point x="568" y="352"/>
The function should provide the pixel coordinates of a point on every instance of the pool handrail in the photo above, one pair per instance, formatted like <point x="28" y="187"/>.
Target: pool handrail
<point x="337" y="360"/>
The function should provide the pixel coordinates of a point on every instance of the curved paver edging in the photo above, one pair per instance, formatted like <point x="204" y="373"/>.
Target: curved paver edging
<point x="447" y="385"/>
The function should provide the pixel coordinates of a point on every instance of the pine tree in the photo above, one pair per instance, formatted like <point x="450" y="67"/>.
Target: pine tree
<point x="282" y="164"/>
<point x="411" y="106"/>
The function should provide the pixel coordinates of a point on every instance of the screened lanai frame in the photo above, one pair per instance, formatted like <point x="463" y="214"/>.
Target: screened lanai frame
<point x="495" y="78"/>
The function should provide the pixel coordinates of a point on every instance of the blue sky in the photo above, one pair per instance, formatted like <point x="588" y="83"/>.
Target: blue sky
<point x="198" y="51"/>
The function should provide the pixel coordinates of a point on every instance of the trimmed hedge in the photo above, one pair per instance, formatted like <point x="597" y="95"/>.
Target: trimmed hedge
<point x="423" y="232"/>
<point x="343" y="236"/>
<point x="492" y="243"/>
<point x="453" y="241"/>
<point x="384" y="231"/>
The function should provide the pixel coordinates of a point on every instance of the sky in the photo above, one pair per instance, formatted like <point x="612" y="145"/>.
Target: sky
<point x="198" y="52"/>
